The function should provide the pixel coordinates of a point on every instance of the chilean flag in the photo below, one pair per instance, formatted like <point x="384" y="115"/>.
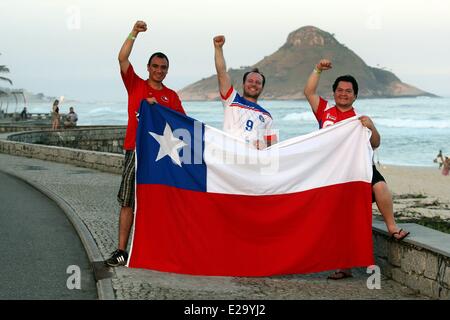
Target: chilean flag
<point x="208" y="203"/>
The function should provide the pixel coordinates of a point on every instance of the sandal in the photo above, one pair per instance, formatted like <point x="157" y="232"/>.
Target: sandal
<point x="400" y="238"/>
<point x="338" y="275"/>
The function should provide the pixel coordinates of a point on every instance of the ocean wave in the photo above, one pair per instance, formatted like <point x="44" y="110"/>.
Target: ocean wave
<point x="299" y="116"/>
<point x="104" y="111"/>
<point x="415" y="124"/>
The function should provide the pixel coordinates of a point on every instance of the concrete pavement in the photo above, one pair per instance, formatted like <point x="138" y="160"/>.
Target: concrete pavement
<point x="89" y="196"/>
<point x="40" y="250"/>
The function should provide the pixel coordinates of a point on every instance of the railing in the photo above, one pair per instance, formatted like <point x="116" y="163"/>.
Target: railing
<point x="29" y="116"/>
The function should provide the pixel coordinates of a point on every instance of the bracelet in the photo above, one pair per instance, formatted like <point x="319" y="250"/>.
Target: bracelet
<point x="131" y="37"/>
<point x="317" y="70"/>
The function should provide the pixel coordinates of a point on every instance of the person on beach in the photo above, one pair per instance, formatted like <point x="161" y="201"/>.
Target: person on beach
<point x="24" y="114"/>
<point x="71" y="119"/>
<point x="154" y="91"/>
<point x="55" y="115"/>
<point x="446" y="166"/>
<point x="439" y="159"/>
<point x="243" y="116"/>
<point x="345" y="90"/>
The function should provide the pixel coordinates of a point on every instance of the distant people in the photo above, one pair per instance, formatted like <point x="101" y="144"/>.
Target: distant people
<point x="71" y="119"/>
<point x="345" y="89"/>
<point x="23" y="114"/>
<point x="439" y="159"/>
<point x="446" y="166"/>
<point x="55" y="115"/>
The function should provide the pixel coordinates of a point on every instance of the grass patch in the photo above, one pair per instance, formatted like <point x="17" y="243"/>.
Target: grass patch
<point x="410" y="196"/>
<point x="418" y="204"/>
<point x="433" y="223"/>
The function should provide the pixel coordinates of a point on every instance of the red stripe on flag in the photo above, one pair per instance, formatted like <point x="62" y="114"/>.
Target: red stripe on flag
<point x="237" y="235"/>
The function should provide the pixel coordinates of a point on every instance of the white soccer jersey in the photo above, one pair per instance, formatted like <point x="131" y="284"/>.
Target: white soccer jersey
<point x="245" y="119"/>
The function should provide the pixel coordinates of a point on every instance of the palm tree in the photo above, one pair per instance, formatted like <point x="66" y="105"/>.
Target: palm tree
<point x="4" y="69"/>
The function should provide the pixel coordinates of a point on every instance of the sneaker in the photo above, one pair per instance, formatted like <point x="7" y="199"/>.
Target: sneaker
<point x="118" y="258"/>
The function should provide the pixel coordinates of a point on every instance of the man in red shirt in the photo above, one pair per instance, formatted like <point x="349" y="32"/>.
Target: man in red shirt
<point x="154" y="91"/>
<point x="345" y="90"/>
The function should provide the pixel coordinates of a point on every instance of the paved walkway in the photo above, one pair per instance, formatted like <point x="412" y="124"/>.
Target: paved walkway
<point x="40" y="250"/>
<point x="90" y="196"/>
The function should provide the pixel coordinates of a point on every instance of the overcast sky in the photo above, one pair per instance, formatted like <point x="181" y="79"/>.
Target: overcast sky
<point x="70" y="47"/>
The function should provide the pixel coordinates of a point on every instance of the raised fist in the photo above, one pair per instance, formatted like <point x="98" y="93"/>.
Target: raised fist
<point x="219" y="41"/>
<point x="324" y="64"/>
<point x="140" y="26"/>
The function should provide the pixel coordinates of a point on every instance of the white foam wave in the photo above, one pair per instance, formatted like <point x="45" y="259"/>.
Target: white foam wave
<point x="106" y="111"/>
<point x="411" y="123"/>
<point x="308" y="116"/>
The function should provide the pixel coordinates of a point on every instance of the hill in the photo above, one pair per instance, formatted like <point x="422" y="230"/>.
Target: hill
<point x="288" y="68"/>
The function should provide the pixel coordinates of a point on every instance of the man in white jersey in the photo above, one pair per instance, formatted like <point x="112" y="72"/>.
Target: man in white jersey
<point x="243" y="117"/>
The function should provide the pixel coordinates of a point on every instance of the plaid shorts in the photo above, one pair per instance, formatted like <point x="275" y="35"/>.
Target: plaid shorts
<point x="125" y="197"/>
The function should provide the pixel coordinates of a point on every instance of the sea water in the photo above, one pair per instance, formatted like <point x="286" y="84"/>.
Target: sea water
<point x="412" y="130"/>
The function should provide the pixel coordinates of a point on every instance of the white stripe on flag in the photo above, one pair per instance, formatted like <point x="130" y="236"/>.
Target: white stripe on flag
<point x="338" y="154"/>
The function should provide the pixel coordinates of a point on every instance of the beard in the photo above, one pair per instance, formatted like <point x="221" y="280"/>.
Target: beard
<point x="250" y="95"/>
<point x="158" y="79"/>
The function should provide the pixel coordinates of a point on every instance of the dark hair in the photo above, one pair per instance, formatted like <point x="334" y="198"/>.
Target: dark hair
<point x="255" y="70"/>
<point x="346" y="78"/>
<point x="159" y="55"/>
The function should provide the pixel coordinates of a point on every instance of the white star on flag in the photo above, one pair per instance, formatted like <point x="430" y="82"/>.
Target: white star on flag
<point x="168" y="145"/>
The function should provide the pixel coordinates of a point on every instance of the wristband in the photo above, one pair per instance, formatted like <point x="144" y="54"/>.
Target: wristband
<point x="317" y="70"/>
<point x="131" y="37"/>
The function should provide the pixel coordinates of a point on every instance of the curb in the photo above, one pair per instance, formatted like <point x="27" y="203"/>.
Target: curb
<point x="105" y="289"/>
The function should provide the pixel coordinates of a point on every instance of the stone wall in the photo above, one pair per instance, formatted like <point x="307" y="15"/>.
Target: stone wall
<point x="420" y="262"/>
<point x="22" y="127"/>
<point x="102" y="161"/>
<point x="104" y="139"/>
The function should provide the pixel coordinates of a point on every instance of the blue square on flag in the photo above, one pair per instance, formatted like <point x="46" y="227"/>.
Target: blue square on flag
<point x="170" y="149"/>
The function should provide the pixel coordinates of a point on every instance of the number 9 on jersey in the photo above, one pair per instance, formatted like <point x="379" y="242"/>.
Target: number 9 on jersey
<point x="249" y="125"/>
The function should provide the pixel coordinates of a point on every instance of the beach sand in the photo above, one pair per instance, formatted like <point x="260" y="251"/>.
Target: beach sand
<point x="417" y="191"/>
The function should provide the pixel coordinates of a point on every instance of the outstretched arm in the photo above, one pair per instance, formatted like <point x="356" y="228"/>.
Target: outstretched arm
<point x="222" y="75"/>
<point x="125" y="51"/>
<point x="313" y="82"/>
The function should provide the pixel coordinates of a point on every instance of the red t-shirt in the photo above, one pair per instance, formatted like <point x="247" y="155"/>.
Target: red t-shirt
<point x="328" y="114"/>
<point x="138" y="89"/>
